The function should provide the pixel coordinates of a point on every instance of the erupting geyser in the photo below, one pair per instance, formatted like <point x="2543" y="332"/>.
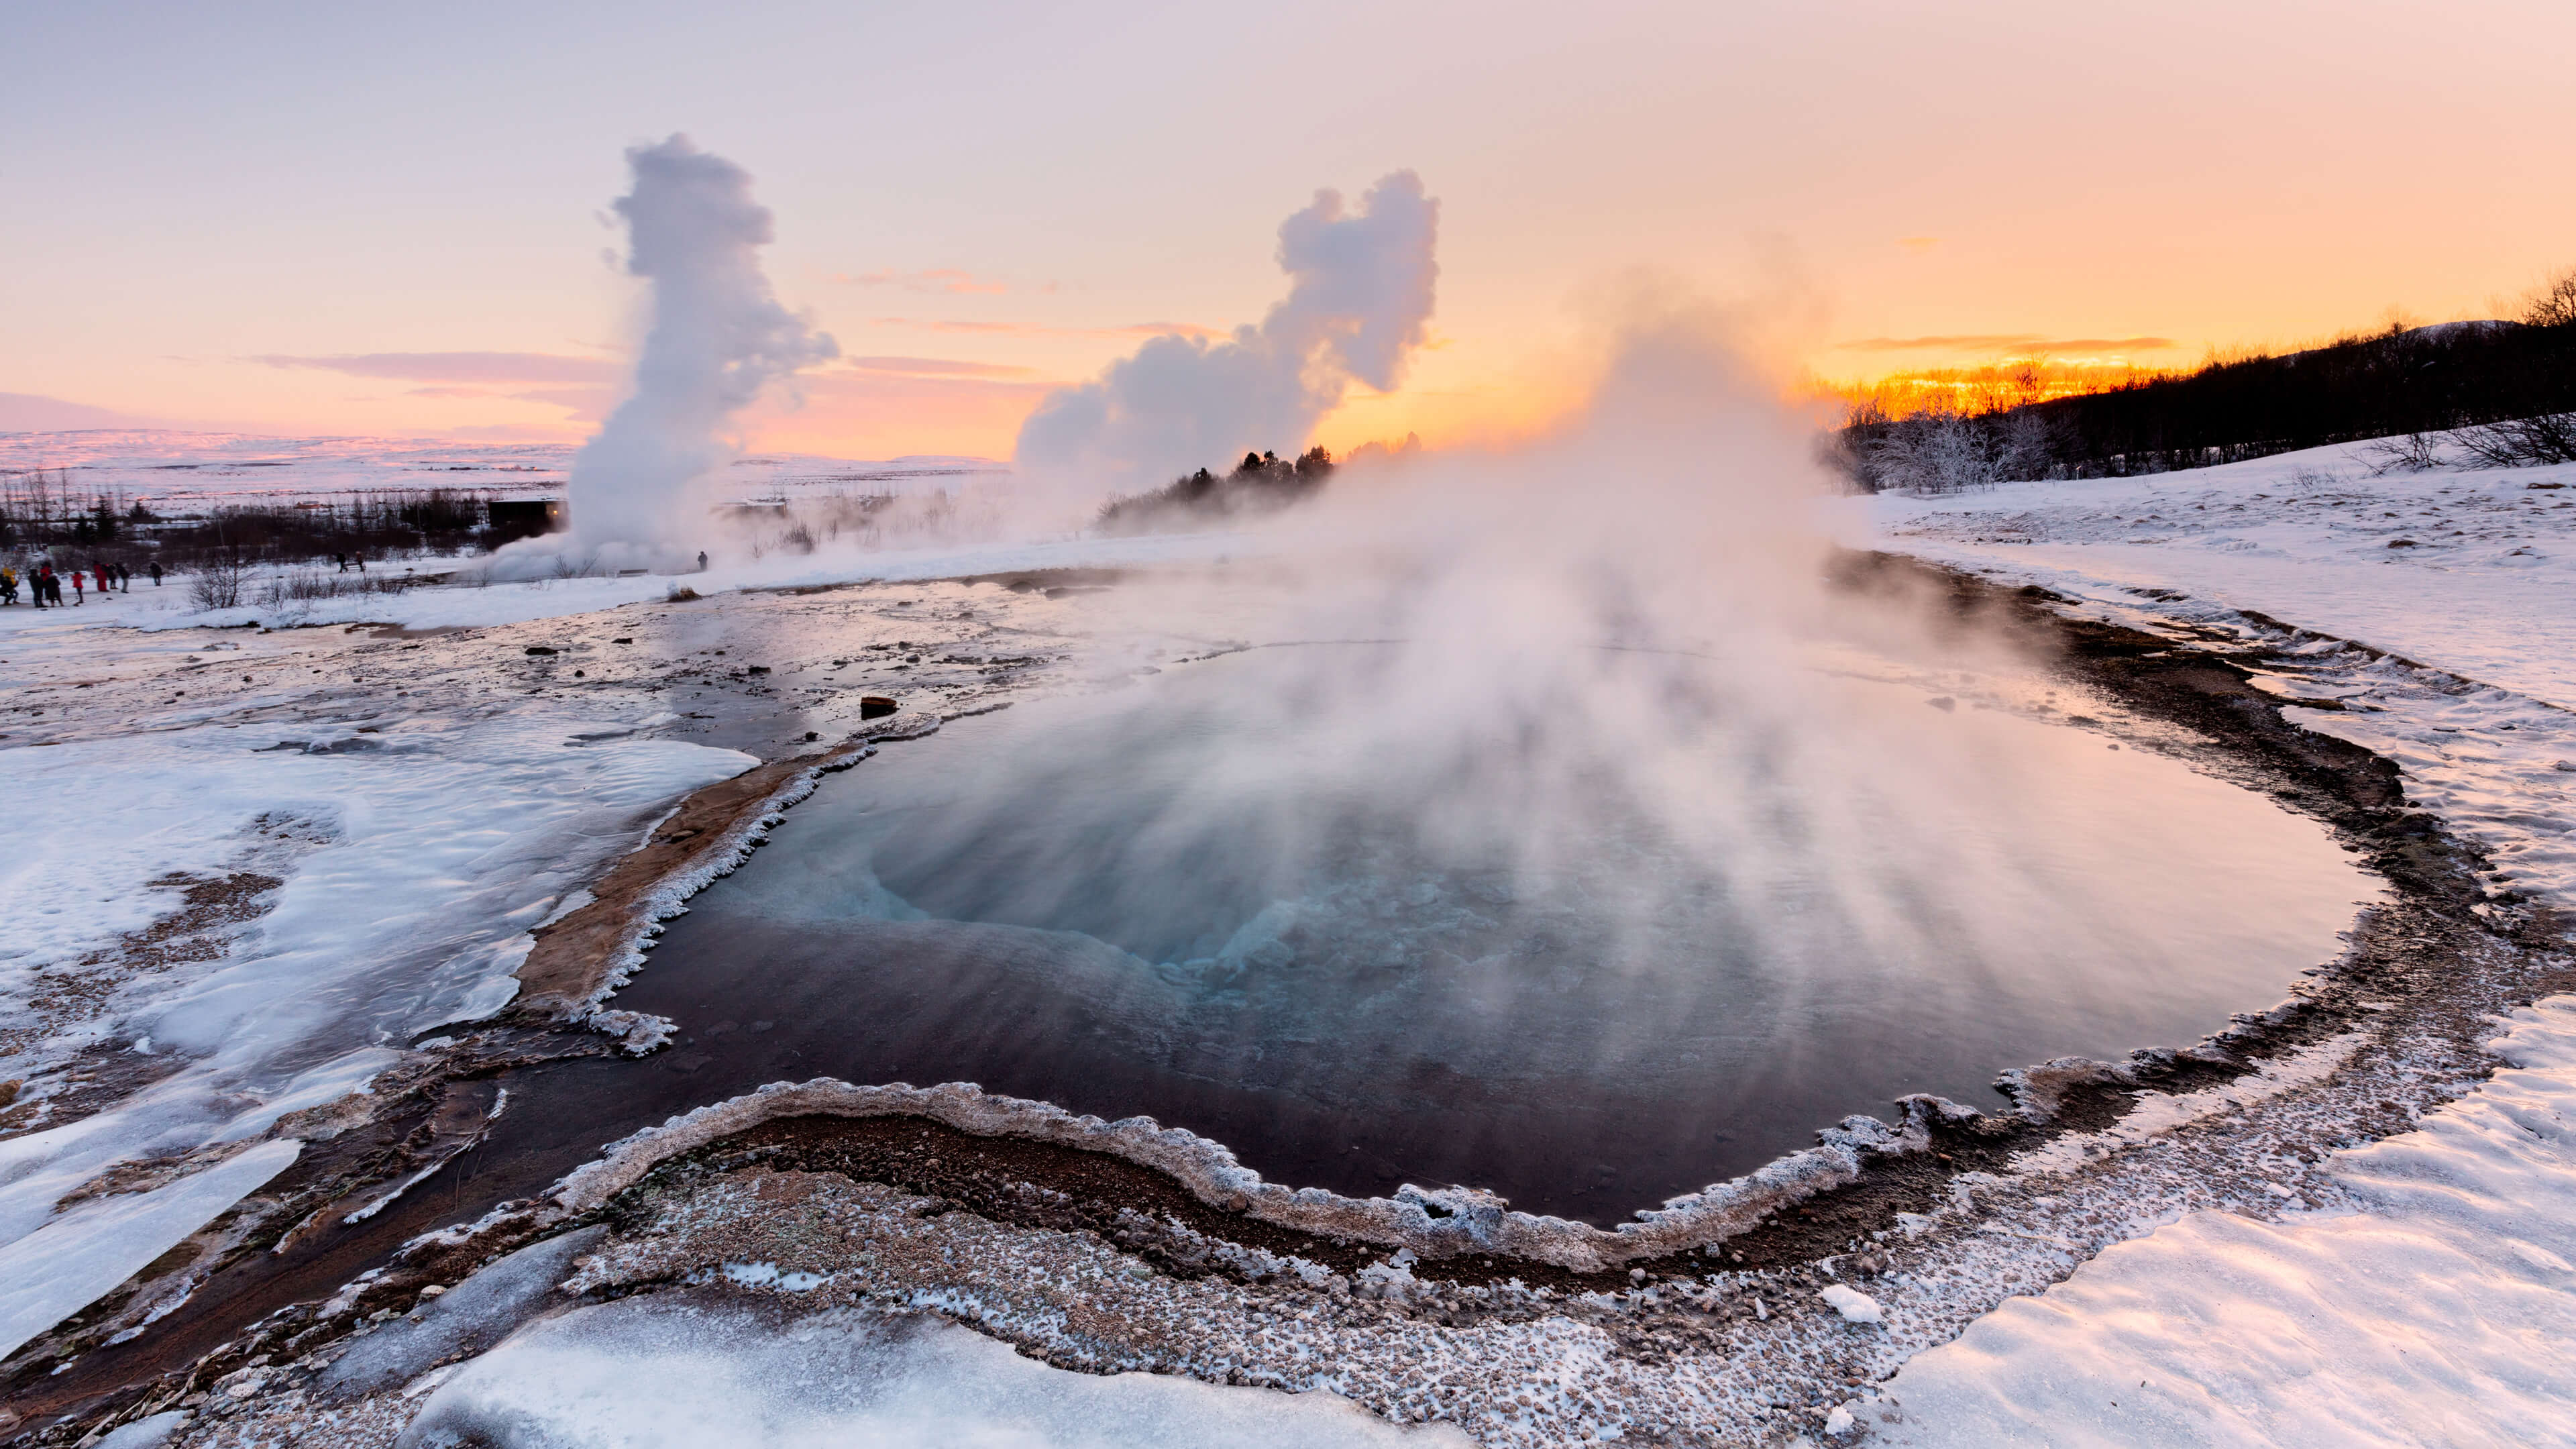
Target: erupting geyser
<point x="717" y="337"/>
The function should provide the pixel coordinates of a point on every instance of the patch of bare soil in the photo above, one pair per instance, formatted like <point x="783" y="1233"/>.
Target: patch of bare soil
<point x="199" y="928"/>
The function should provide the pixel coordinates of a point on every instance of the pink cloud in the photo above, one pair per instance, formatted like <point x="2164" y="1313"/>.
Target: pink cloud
<point x="934" y="367"/>
<point x="590" y="404"/>
<point x="1027" y="329"/>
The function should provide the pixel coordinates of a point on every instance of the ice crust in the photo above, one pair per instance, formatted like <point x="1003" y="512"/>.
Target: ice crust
<point x="1469" y="1221"/>
<point x="468" y="1318"/>
<point x="648" y="1372"/>
<point x="60" y="1268"/>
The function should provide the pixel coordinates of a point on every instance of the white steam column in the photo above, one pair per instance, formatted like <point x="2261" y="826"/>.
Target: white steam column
<point x="1360" y="293"/>
<point x="717" y="337"/>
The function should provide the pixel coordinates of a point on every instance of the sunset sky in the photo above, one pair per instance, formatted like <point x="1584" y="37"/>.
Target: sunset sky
<point x="306" y="218"/>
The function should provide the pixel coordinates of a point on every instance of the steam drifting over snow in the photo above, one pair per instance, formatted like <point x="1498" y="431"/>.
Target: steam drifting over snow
<point x="718" y="337"/>
<point x="1361" y="294"/>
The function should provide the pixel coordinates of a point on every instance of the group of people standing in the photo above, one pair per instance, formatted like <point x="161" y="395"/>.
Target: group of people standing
<point x="45" y="587"/>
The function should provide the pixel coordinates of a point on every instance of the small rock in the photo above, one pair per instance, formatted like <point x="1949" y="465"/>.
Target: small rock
<point x="539" y="649"/>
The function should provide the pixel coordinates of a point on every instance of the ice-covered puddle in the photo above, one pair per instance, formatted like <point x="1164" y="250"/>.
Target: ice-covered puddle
<point x="1584" y="973"/>
<point x="657" y="1371"/>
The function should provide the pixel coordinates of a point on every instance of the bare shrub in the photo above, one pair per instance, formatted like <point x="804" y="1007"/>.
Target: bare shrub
<point x="2552" y="303"/>
<point x="217" y="583"/>
<point x="2522" y="442"/>
<point x="306" y="585"/>
<point x="2404" y="453"/>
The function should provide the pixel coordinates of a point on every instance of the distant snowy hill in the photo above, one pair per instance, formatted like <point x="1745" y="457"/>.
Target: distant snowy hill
<point x="176" y="470"/>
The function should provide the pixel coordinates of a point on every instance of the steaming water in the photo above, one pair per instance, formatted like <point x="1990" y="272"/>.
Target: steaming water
<point x="1137" y="903"/>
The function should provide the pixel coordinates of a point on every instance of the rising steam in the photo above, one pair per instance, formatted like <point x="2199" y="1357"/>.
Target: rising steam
<point x="1568" y="776"/>
<point x="1361" y="292"/>
<point x="717" y="337"/>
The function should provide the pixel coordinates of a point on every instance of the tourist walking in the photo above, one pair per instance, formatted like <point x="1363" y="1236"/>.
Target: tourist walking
<point x="8" y="587"/>
<point x="154" y="568"/>
<point x="77" y="599"/>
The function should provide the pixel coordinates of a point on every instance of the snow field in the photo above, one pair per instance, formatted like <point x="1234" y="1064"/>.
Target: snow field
<point x="407" y="858"/>
<point x="2481" y="580"/>
<point x="2429" y="1301"/>
<point x="2439" y="1310"/>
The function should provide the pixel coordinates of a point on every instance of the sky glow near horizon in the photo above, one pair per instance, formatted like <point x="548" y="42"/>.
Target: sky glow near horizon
<point x="304" y="219"/>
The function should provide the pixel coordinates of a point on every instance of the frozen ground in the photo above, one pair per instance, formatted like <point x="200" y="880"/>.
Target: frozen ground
<point x="2436" y="1302"/>
<point x="2216" y="1247"/>
<point x="2472" y="571"/>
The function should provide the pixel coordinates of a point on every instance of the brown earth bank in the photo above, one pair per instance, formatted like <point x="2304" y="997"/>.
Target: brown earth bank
<point x="2430" y="966"/>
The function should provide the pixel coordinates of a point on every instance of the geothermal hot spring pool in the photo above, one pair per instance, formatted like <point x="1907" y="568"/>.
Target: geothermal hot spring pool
<point x="1359" y="968"/>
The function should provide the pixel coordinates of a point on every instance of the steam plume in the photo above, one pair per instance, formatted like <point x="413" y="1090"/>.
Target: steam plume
<point x="717" y="337"/>
<point x="1361" y="290"/>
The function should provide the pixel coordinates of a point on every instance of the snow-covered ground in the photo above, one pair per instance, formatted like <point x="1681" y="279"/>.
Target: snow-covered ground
<point x="372" y="832"/>
<point x="2469" y="571"/>
<point x="280" y="903"/>
<point x="2437" y="1303"/>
